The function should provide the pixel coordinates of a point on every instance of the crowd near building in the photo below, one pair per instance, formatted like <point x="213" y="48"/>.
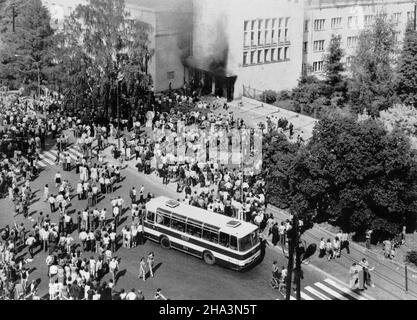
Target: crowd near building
<point x="225" y="45"/>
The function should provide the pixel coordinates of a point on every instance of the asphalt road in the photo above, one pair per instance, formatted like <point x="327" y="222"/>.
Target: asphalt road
<point x="179" y="275"/>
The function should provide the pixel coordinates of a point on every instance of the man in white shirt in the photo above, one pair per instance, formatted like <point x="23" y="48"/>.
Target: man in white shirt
<point x="131" y="295"/>
<point x="113" y="267"/>
<point x="83" y="238"/>
<point x="116" y="215"/>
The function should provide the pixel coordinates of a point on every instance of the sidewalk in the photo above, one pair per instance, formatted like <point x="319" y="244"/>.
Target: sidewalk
<point x="388" y="276"/>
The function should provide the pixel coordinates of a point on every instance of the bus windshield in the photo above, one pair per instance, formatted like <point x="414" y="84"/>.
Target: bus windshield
<point x="248" y="242"/>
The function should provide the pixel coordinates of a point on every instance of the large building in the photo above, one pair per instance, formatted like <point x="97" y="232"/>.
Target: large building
<point x="171" y="27"/>
<point x="235" y="46"/>
<point x="346" y="18"/>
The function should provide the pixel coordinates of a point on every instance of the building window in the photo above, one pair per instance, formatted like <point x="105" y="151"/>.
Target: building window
<point x="286" y="50"/>
<point x="318" y="45"/>
<point x="305" y="47"/>
<point x="396" y="17"/>
<point x="267" y="24"/>
<point x="318" y="66"/>
<point x="306" y="23"/>
<point x="397" y="36"/>
<point x="171" y="75"/>
<point x="369" y="20"/>
<point x="245" y="58"/>
<point x="246" y="26"/>
<point x="252" y="33"/>
<point x="279" y="57"/>
<point x="252" y="57"/>
<point x="352" y="22"/>
<point x="246" y="41"/>
<point x="336" y="23"/>
<point x="273" y="38"/>
<point x="273" y="52"/>
<point x="260" y="56"/>
<point x="349" y="60"/>
<point x="267" y="38"/>
<point x="410" y="16"/>
<point x="352" y="42"/>
<point x="252" y="38"/>
<point x="267" y="55"/>
<point x="319" y="24"/>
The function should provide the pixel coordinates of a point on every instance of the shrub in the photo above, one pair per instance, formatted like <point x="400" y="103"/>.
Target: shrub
<point x="411" y="257"/>
<point x="284" y="95"/>
<point x="269" y="96"/>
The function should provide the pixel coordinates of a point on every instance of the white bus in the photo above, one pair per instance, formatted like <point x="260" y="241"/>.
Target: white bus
<point x="213" y="237"/>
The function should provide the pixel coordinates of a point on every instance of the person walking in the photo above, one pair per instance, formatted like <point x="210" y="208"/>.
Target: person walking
<point x="132" y="195"/>
<point x="345" y="242"/>
<point x="142" y="269"/>
<point x="366" y="271"/>
<point x="45" y="193"/>
<point x="151" y="261"/>
<point x="322" y="248"/>
<point x="275" y="233"/>
<point x="336" y="248"/>
<point x="113" y="268"/>
<point x="354" y="277"/>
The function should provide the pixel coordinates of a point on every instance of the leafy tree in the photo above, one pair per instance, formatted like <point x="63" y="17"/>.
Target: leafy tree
<point x="26" y="52"/>
<point x="334" y="69"/>
<point x="358" y="175"/>
<point x="115" y="49"/>
<point x="372" y="83"/>
<point x="406" y="84"/>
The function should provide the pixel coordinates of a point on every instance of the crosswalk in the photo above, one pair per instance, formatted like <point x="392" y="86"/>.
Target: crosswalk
<point x="47" y="158"/>
<point x="330" y="289"/>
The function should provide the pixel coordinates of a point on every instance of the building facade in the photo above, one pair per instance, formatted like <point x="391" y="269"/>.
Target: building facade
<point x="245" y="43"/>
<point x="324" y="18"/>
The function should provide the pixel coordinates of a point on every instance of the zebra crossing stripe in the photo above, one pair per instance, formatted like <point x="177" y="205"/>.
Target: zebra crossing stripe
<point x="347" y="290"/>
<point x="41" y="164"/>
<point x="74" y="152"/>
<point x="305" y="296"/>
<point x="316" y="293"/>
<point x="46" y="159"/>
<point x="71" y="155"/>
<point x="330" y="291"/>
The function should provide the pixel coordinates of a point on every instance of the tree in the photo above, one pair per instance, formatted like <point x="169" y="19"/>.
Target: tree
<point x="115" y="49"/>
<point x="334" y="69"/>
<point x="372" y="83"/>
<point x="359" y="176"/>
<point x="406" y="83"/>
<point x="26" y="52"/>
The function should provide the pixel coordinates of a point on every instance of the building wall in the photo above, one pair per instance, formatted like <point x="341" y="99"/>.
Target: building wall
<point x="172" y="42"/>
<point x="362" y="9"/>
<point x="219" y="30"/>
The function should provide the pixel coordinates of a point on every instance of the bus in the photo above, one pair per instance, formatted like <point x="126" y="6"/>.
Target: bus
<point x="215" y="238"/>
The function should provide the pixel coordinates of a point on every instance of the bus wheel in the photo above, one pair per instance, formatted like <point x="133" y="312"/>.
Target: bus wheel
<point x="165" y="243"/>
<point x="208" y="257"/>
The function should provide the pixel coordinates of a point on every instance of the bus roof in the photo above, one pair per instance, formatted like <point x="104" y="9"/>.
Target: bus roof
<point x="226" y="224"/>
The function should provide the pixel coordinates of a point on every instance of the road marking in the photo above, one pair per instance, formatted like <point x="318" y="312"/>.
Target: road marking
<point x="345" y="290"/>
<point x="46" y="159"/>
<point x="330" y="291"/>
<point x="305" y="296"/>
<point x="316" y="293"/>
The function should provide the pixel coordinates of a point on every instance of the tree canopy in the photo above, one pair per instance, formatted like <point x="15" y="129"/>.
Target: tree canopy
<point x="406" y="83"/>
<point x="372" y="84"/>
<point x="114" y="51"/>
<point x="29" y="49"/>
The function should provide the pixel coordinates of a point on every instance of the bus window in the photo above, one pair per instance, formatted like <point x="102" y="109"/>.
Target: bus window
<point x="233" y="242"/>
<point x="178" y="224"/>
<point x="150" y="216"/>
<point x="163" y="220"/>
<point x="248" y="242"/>
<point x="210" y="236"/>
<point x="224" y="239"/>
<point x="193" y="229"/>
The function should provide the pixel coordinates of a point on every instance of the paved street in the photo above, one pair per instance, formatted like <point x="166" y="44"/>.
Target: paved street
<point x="181" y="276"/>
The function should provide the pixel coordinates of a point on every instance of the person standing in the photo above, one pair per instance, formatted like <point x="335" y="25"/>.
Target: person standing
<point x="275" y="233"/>
<point x="345" y="242"/>
<point x="368" y="235"/>
<point x="30" y="242"/>
<point x="51" y="201"/>
<point x="281" y="231"/>
<point x="45" y="193"/>
<point x="132" y="195"/>
<point x="116" y="214"/>
<point x="322" y="248"/>
<point x="366" y="271"/>
<point x="354" y="277"/>
<point x="142" y="269"/>
<point x="151" y="261"/>
<point x="113" y="268"/>
<point x="329" y="250"/>
<point x="57" y="179"/>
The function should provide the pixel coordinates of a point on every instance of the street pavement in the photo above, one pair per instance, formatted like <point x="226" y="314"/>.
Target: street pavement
<point x="179" y="275"/>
